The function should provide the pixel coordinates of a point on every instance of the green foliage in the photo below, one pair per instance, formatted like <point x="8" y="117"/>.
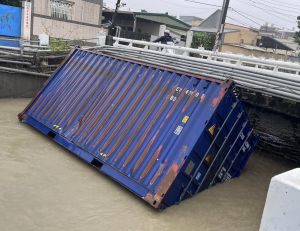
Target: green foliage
<point x="206" y="40"/>
<point x="297" y="35"/>
<point x="59" y="45"/>
<point x="76" y="43"/>
<point x="11" y="2"/>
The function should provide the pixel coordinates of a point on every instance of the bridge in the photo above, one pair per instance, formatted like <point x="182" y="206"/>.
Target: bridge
<point x="270" y="77"/>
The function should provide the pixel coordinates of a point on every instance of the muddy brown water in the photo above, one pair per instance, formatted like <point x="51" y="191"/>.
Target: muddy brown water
<point x="44" y="187"/>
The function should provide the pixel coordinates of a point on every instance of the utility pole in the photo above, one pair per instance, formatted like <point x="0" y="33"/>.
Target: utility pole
<point x="114" y="19"/>
<point x="221" y="25"/>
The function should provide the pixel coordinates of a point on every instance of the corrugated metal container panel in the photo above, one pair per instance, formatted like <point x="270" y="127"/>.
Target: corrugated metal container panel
<point x="163" y="135"/>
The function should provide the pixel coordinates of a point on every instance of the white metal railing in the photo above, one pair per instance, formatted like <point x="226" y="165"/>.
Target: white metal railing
<point x="270" y="65"/>
<point x="270" y="77"/>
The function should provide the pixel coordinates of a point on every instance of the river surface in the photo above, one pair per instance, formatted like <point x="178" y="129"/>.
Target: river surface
<point x="44" y="187"/>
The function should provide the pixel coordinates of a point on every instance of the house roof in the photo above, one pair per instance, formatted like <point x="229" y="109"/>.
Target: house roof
<point x="235" y="26"/>
<point x="289" y="43"/>
<point x="189" y="19"/>
<point x="248" y="47"/>
<point x="119" y="12"/>
<point x="269" y="42"/>
<point x="212" y="30"/>
<point x="163" y="19"/>
<point x="210" y="24"/>
<point x="212" y="21"/>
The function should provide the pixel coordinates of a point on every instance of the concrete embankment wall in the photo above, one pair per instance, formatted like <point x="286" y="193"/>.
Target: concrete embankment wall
<point x="20" y="85"/>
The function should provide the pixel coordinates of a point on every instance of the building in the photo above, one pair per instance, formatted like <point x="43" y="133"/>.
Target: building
<point x="146" y="26"/>
<point x="279" y="45"/>
<point x="276" y="32"/>
<point x="279" y="41"/>
<point x="242" y="40"/>
<point x="254" y="51"/>
<point x="240" y="35"/>
<point x="191" y="20"/>
<point x="285" y="34"/>
<point x="233" y="34"/>
<point x="76" y="19"/>
<point x="268" y="30"/>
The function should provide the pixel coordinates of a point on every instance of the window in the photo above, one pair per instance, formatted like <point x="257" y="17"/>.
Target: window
<point x="61" y="9"/>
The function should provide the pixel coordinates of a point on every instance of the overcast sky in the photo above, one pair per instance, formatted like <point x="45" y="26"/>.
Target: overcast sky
<point x="281" y="13"/>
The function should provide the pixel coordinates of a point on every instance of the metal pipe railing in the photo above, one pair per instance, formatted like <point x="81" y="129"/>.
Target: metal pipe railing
<point x="13" y="70"/>
<point x="267" y="82"/>
<point x="239" y="60"/>
<point x="190" y="60"/>
<point x="287" y="87"/>
<point x="247" y="68"/>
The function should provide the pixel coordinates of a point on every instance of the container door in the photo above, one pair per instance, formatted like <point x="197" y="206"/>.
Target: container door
<point x="10" y="21"/>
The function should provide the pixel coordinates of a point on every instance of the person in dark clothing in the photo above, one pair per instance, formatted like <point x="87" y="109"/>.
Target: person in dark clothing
<point x="165" y="38"/>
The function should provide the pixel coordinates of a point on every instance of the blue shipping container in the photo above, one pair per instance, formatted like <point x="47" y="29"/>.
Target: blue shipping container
<point x="10" y="21"/>
<point x="164" y="135"/>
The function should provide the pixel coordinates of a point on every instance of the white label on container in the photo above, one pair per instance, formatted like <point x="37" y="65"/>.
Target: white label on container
<point x="178" y="130"/>
<point x="223" y="170"/>
<point x="173" y="98"/>
<point x="198" y="176"/>
<point x="242" y="136"/>
<point x="244" y="148"/>
<point x="247" y="144"/>
<point x="178" y="89"/>
<point x="227" y="177"/>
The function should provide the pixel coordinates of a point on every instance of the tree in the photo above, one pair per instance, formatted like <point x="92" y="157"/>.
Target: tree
<point x="11" y="2"/>
<point x="297" y="35"/>
<point x="206" y="40"/>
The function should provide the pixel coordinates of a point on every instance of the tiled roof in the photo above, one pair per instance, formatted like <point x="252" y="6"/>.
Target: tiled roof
<point x="163" y="19"/>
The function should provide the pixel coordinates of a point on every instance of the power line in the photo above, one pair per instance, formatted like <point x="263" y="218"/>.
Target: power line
<point x="248" y="16"/>
<point x="263" y="20"/>
<point x="270" y="12"/>
<point x="203" y="3"/>
<point x="245" y="16"/>
<point x="283" y="5"/>
<point x="291" y="4"/>
<point x="276" y="8"/>
<point x="242" y="23"/>
<point x="179" y="5"/>
<point x="275" y="11"/>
